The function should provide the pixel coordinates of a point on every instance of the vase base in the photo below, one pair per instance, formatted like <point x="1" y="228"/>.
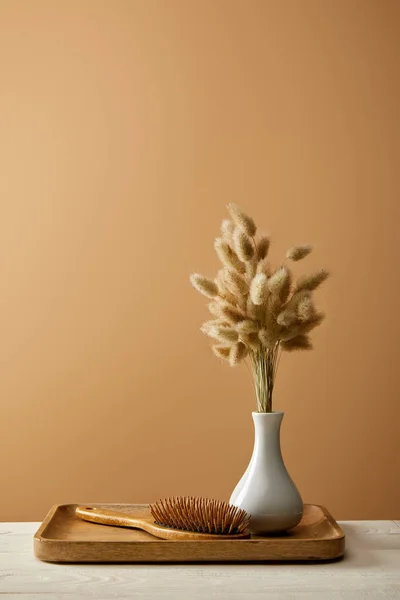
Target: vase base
<point x="273" y="524"/>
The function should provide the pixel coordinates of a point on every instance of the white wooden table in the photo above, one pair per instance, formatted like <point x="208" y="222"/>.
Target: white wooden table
<point x="370" y="570"/>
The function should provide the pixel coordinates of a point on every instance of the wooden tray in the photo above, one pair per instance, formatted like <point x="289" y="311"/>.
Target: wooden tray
<point x="63" y="537"/>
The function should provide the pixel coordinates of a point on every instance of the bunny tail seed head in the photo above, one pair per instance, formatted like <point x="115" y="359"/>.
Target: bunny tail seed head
<point x="251" y="269"/>
<point x="286" y="287"/>
<point x="242" y="245"/>
<point x="227" y="229"/>
<point x="258" y="289"/>
<point x="214" y="308"/>
<point x="305" y="308"/>
<point x="209" y="326"/>
<point x="251" y="340"/>
<point x="221" y="351"/>
<point x="312" y="323"/>
<point x="236" y="284"/>
<point x="205" y="286"/>
<point x="224" y="293"/>
<point x="298" y="252"/>
<point x="263" y="247"/>
<point x="300" y="342"/>
<point x="277" y="281"/>
<point x="267" y="338"/>
<point x="252" y="310"/>
<point x="231" y="313"/>
<point x="224" y="334"/>
<point x="297" y="327"/>
<point x="262" y="266"/>
<point x="237" y="353"/>
<point x="286" y="318"/>
<point x="227" y="256"/>
<point x="247" y="326"/>
<point x="311" y="282"/>
<point x="242" y="220"/>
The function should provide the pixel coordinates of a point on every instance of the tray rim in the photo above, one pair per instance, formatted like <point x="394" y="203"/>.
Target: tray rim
<point x="44" y="545"/>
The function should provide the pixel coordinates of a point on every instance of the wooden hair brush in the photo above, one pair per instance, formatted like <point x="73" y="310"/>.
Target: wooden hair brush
<point x="181" y="518"/>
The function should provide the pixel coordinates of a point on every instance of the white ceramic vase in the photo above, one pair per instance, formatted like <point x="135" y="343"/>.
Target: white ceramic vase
<point x="266" y="490"/>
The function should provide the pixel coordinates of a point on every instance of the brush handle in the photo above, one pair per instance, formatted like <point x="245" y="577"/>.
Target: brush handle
<point x="104" y="516"/>
<point x="110" y="517"/>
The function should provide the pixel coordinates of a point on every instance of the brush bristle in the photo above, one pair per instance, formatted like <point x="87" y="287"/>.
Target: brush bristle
<point x="200" y="515"/>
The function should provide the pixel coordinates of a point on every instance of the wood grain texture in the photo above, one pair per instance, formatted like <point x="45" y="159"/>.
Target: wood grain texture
<point x="369" y="571"/>
<point x="63" y="537"/>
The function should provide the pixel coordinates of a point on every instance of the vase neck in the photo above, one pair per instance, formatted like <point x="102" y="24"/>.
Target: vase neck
<point x="267" y="428"/>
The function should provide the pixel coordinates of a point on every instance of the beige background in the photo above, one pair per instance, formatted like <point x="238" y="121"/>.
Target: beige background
<point x="126" y="126"/>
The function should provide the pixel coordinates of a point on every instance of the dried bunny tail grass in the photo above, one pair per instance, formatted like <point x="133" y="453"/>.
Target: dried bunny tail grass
<point x="270" y="323"/>
<point x="263" y="245"/>
<point x="298" y="252"/>
<point x="240" y="219"/>
<point x="278" y="280"/>
<point x="251" y="340"/>
<point x="247" y="326"/>
<point x="312" y="323"/>
<point x="227" y="229"/>
<point x="226" y="311"/>
<point x="224" y="293"/>
<point x="253" y="311"/>
<point x="243" y="245"/>
<point x="311" y="282"/>
<point x="291" y="308"/>
<point x="305" y="308"/>
<point x="259" y="289"/>
<point x="267" y="338"/>
<point x="236" y="283"/>
<point x="262" y="266"/>
<point x="300" y="308"/>
<point x="286" y="288"/>
<point x="223" y="334"/>
<point x="209" y="326"/>
<point x="230" y="313"/>
<point x="227" y="256"/>
<point x="219" y="280"/>
<point x="279" y="284"/>
<point x="287" y="317"/>
<point x="300" y="342"/>
<point x="221" y="351"/>
<point x="205" y="286"/>
<point x="251" y="269"/>
<point x="237" y="353"/>
<point x="214" y="308"/>
<point x="300" y="328"/>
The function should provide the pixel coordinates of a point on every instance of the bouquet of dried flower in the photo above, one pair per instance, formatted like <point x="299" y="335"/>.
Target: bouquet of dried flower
<point x="257" y="312"/>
